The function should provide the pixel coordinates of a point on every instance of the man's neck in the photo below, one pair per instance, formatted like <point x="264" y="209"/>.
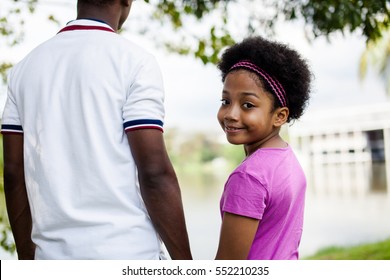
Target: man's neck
<point x="107" y="15"/>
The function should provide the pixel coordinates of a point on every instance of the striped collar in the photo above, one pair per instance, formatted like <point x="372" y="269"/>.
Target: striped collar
<point x="86" y="24"/>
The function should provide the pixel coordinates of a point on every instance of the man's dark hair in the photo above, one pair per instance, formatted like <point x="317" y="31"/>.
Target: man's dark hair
<point x="96" y="2"/>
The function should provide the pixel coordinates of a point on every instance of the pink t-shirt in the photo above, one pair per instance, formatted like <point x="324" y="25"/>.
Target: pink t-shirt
<point x="269" y="186"/>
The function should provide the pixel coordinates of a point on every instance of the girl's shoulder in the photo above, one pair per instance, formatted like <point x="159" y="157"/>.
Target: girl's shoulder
<point x="265" y="156"/>
<point x="264" y="161"/>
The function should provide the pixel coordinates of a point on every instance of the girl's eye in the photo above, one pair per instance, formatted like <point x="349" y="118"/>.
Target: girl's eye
<point x="248" y="105"/>
<point x="224" y="101"/>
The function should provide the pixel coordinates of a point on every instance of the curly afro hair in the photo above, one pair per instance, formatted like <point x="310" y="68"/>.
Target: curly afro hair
<point x="280" y="62"/>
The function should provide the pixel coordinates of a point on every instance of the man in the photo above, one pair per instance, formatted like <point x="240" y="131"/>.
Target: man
<point x="86" y="172"/>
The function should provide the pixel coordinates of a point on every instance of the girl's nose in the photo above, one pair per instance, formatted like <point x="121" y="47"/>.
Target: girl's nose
<point x="232" y="113"/>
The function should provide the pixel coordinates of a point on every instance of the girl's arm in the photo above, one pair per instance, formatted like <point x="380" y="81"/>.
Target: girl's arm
<point x="237" y="234"/>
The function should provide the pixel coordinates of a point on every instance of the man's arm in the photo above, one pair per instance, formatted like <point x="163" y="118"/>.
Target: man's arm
<point x="160" y="190"/>
<point x="15" y="191"/>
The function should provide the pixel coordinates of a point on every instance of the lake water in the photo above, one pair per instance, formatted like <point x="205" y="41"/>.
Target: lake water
<point x="345" y="205"/>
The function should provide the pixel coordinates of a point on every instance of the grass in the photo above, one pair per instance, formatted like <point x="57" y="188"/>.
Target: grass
<point x="372" y="251"/>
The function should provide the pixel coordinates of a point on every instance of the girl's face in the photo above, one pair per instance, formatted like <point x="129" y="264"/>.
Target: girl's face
<point x="246" y="114"/>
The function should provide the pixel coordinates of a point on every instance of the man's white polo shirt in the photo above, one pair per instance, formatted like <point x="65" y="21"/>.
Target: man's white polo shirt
<point x="73" y="98"/>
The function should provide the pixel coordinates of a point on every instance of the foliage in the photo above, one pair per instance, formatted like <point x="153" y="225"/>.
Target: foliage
<point x="234" y="154"/>
<point x="201" y="159"/>
<point x="11" y="21"/>
<point x="222" y="24"/>
<point x="11" y="27"/>
<point x="322" y="18"/>
<point x="6" y="241"/>
<point x="326" y="17"/>
<point x="377" y="54"/>
<point x="4" y="66"/>
<point x="373" y="251"/>
<point x="178" y="12"/>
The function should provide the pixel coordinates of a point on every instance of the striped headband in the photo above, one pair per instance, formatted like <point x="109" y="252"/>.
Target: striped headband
<point x="272" y="82"/>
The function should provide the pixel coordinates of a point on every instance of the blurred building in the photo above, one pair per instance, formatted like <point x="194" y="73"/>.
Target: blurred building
<point x="357" y="137"/>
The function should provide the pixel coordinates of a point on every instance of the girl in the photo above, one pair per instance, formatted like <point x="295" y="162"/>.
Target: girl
<point x="266" y="84"/>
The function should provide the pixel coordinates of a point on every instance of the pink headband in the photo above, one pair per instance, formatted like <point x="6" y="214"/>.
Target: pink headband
<point x="273" y="83"/>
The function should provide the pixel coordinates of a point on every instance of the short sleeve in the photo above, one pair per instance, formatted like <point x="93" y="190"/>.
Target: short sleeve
<point x="244" y="195"/>
<point x="144" y="106"/>
<point x="10" y="122"/>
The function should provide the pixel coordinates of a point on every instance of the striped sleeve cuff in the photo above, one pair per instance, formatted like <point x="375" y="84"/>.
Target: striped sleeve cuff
<point x="9" y="129"/>
<point x="143" y="124"/>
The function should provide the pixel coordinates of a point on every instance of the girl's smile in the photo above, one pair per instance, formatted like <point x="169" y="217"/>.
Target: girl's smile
<point x="232" y="129"/>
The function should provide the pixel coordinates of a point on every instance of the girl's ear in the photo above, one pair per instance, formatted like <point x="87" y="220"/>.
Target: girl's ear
<point x="281" y="116"/>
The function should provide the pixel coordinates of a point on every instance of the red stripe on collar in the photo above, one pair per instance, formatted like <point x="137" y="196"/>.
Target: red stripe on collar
<point x="85" y="27"/>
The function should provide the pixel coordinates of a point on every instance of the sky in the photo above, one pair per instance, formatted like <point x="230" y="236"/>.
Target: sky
<point x="193" y="91"/>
